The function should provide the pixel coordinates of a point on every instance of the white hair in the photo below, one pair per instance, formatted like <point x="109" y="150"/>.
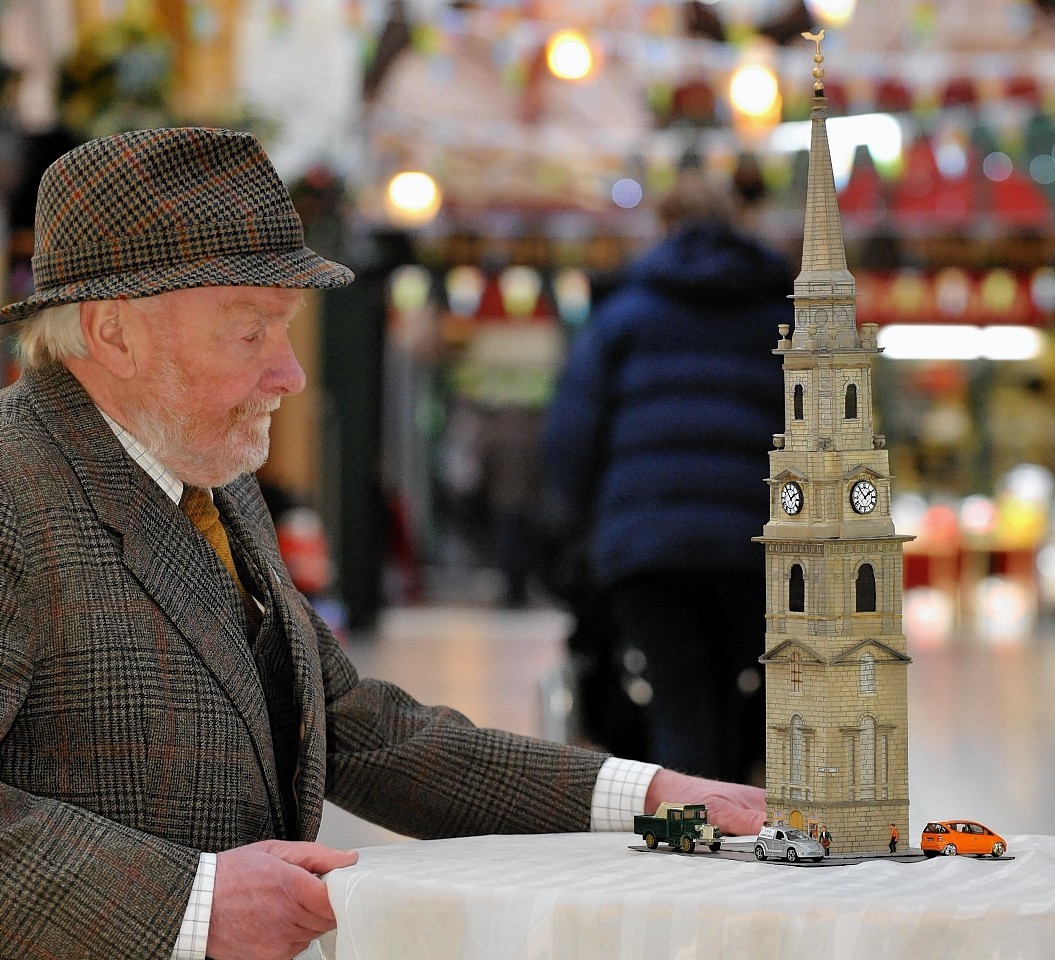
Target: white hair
<point x="51" y="336"/>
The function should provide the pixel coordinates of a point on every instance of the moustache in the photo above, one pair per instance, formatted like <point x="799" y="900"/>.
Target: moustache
<point x="255" y="408"/>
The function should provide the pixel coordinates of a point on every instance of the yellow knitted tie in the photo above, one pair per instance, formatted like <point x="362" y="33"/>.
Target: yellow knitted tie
<point x="197" y="504"/>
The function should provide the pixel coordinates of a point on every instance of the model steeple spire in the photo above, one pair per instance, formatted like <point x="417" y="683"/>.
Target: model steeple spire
<point x="823" y="253"/>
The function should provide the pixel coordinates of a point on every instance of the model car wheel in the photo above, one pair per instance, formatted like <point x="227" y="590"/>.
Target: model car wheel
<point x="760" y="852"/>
<point x="818" y="859"/>
<point x="715" y="847"/>
<point x="792" y="855"/>
<point x="930" y="853"/>
<point x="949" y="850"/>
<point x="998" y="849"/>
<point x="687" y="844"/>
<point x="650" y="840"/>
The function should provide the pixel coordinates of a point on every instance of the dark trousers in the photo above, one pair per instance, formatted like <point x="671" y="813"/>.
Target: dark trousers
<point x="701" y="633"/>
<point x="515" y="552"/>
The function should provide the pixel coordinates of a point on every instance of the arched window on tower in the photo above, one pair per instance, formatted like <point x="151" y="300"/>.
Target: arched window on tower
<point x="799" y="403"/>
<point x="796" y="590"/>
<point x="866" y="589"/>
<point x="851" y="402"/>
<point x="867" y="683"/>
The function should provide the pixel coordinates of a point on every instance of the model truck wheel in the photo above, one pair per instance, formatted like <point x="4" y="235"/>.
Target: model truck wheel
<point x="687" y="844"/>
<point x="715" y="847"/>
<point x="760" y="852"/>
<point x="650" y="840"/>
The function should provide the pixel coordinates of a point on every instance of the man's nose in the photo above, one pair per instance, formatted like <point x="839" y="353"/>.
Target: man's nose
<point x="284" y="375"/>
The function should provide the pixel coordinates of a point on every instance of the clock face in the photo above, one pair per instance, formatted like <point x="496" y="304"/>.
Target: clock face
<point x="791" y="497"/>
<point x="863" y="496"/>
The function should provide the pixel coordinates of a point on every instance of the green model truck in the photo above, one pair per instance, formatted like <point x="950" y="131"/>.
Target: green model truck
<point x="682" y="825"/>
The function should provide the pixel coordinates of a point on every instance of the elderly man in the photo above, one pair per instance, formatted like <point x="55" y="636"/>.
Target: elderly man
<point x="172" y="711"/>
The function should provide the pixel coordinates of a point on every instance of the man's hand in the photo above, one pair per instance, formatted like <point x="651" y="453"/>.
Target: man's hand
<point x="736" y="809"/>
<point x="268" y="901"/>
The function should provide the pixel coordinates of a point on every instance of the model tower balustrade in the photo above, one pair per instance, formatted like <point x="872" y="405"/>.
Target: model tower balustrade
<point x="835" y="659"/>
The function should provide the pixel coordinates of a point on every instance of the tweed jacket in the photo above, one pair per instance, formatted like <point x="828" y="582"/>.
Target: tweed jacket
<point x="134" y="714"/>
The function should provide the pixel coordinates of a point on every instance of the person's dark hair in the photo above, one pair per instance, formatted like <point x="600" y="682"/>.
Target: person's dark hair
<point x="696" y="196"/>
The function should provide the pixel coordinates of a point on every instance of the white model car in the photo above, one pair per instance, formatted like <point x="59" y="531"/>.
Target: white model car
<point x="783" y="842"/>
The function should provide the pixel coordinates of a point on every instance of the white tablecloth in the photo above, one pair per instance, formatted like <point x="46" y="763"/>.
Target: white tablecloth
<point x="587" y="896"/>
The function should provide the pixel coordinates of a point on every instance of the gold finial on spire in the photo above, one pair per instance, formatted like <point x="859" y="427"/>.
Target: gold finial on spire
<point x="818" y="58"/>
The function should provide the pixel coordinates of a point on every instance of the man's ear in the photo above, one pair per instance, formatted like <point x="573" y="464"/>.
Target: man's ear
<point x="106" y="335"/>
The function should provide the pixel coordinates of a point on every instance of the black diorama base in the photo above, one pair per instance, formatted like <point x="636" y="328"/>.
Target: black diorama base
<point x="745" y="852"/>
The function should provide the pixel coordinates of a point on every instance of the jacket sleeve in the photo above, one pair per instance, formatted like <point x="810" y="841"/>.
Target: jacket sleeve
<point x="72" y="883"/>
<point x="428" y="772"/>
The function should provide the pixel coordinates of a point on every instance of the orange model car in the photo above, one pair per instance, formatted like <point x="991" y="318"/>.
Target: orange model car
<point x="950" y="837"/>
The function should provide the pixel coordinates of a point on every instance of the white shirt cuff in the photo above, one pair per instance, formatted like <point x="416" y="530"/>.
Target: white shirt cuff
<point x="194" y="931"/>
<point x="619" y="793"/>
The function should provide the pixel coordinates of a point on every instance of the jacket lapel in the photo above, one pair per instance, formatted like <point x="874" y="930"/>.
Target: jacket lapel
<point x="160" y="549"/>
<point x="259" y="552"/>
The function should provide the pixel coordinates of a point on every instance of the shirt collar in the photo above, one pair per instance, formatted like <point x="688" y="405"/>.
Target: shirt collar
<point x="157" y="471"/>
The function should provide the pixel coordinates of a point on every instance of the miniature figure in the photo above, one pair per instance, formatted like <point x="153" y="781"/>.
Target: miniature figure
<point x="681" y="825"/>
<point x="952" y="837"/>
<point x="825" y="838"/>
<point x="893" y="839"/>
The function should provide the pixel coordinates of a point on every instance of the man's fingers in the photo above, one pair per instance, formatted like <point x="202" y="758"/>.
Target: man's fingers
<point x="314" y="857"/>
<point x="269" y="901"/>
<point x="744" y="823"/>
<point x="310" y="893"/>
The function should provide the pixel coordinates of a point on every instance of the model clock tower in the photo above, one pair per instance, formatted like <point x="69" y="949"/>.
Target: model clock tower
<point x="835" y="659"/>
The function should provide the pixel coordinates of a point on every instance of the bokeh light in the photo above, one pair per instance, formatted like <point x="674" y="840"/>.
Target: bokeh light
<point x="413" y="198"/>
<point x="880" y="132"/>
<point x="571" y="289"/>
<point x="409" y="287"/>
<point x="997" y="166"/>
<point x="568" y="55"/>
<point x="952" y="291"/>
<point x="627" y="193"/>
<point x="832" y="13"/>
<point x="519" y="287"/>
<point x="950" y="156"/>
<point x="465" y="286"/>
<point x="754" y="90"/>
<point x="978" y="515"/>
<point x="928" y="341"/>
<point x="929" y="617"/>
<point x="1042" y="169"/>
<point x="1006" y="610"/>
<point x="1042" y="289"/>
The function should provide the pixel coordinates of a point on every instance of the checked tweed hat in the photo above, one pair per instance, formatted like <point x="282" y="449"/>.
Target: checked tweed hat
<point x="145" y="212"/>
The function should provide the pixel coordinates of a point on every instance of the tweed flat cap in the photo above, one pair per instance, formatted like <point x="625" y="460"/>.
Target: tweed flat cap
<point x="141" y="213"/>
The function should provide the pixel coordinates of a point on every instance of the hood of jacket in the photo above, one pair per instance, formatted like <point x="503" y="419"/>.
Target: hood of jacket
<point x="713" y="260"/>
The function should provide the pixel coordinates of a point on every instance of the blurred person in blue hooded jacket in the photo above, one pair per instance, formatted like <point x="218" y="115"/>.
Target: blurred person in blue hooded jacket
<point x="656" y="445"/>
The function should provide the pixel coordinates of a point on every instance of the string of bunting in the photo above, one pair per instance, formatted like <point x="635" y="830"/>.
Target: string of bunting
<point x="649" y="36"/>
